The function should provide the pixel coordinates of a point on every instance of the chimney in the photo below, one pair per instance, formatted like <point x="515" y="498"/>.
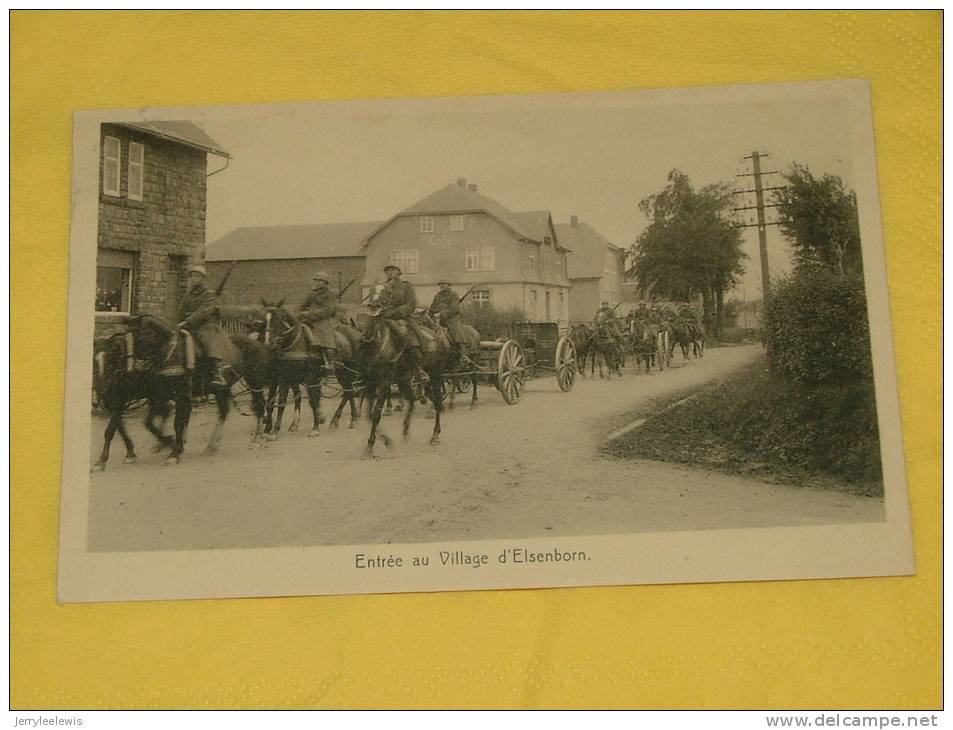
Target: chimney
<point x="574" y="221"/>
<point x="472" y="188"/>
<point x="462" y="182"/>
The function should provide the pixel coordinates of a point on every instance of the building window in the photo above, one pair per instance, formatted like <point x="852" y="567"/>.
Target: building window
<point x="407" y="259"/>
<point x="481" y="297"/>
<point x="426" y="224"/>
<point x="532" y="261"/>
<point x="136" y="157"/>
<point x="562" y="305"/>
<point x="111" y="155"/>
<point x="473" y="259"/>
<point x="456" y="223"/>
<point x="114" y="281"/>
<point x="412" y="260"/>
<point x="488" y="258"/>
<point x="532" y="304"/>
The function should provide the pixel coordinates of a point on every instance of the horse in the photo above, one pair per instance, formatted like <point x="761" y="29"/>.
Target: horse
<point x="293" y="362"/>
<point x="606" y="348"/>
<point x="384" y="361"/>
<point x="643" y="343"/>
<point x="582" y="337"/>
<point x="154" y="361"/>
<point x="681" y="336"/>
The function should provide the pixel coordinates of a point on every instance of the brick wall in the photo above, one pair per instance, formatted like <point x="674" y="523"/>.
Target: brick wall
<point x="168" y="222"/>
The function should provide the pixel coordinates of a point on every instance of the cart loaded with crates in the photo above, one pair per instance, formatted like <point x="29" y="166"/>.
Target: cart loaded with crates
<point x="533" y="348"/>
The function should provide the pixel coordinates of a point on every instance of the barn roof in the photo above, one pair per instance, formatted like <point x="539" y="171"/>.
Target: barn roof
<point x="533" y="225"/>
<point x="589" y="248"/>
<point x="319" y="240"/>
<point x="187" y="133"/>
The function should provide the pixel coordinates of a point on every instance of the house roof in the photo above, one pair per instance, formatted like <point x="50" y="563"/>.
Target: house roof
<point x="455" y="198"/>
<point x="589" y="248"/>
<point x="183" y="132"/>
<point x="320" y="240"/>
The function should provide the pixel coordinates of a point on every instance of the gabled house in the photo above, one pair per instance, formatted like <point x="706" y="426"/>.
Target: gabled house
<point x="596" y="269"/>
<point x="278" y="262"/>
<point x="501" y="257"/>
<point x="152" y="198"/>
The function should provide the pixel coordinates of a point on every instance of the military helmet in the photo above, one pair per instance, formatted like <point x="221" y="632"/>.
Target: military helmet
<point x="393" y="266"/>
<point x="198" y="269"/>
<point x="322" y="276"/>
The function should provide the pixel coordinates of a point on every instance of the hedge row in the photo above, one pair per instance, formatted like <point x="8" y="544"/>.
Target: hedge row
<point x="816" y="327"/>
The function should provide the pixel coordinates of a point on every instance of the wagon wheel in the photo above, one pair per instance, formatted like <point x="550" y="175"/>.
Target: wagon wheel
<point x="565" y="364"/>
<point x="510" y="372"/>
<point x="463" y="383"/>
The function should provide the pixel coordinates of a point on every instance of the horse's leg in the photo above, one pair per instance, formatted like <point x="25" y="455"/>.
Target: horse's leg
<point x="345" y="391"/>
<point x="377" y="406"/>
<point x="314" y="400"/>
<point x="296" y="416"/>
<point x="355" y="411"/>
<point x="131" y="455"/>
<point x="473" y="400"/>
<point x="115" y="419"/>
<point x="436" y="394"/>
<point x="183" y="410"/>
<point x="258" y="403"/>
<point x="270" y="409"/>
<point x="406" y="389"/>
<point x="222" y="398"/>
<point x="282" y="402"/>
<point x="158" y="407"/>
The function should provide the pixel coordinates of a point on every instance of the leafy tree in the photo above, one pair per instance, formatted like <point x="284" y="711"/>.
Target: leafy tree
<point x="819" y="219"/>
<point x="690" y="245"/>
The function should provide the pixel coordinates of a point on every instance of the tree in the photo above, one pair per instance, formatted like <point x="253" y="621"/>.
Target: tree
<point x="690" y="246"/>
<point x="819" y="219"/>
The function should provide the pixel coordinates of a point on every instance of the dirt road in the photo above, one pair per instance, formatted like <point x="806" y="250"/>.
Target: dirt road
<point x="529" y="470"/>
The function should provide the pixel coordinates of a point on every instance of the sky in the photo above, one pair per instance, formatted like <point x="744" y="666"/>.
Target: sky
<point x="591" y="155"/>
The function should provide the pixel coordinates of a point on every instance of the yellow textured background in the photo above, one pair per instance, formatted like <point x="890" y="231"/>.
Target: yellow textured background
<point x="848" y="643"/>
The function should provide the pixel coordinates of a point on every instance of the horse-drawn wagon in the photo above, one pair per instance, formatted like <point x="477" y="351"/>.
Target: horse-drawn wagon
<point x="532" y="348"/>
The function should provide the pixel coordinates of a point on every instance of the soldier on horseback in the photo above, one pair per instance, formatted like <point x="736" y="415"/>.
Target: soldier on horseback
<point x="606" y="319"/>
<point x="198" y="315"/>
<point x="398" y="301"/>
<point x="317" y="311"/>
<point x="446" y="309"/>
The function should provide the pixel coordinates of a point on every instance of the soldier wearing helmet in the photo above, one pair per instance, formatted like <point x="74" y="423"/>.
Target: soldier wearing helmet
<point x="398" y="301"/>
<point x="446" y="307"/>
<point x="198" y="315"/>
<point x="317" y="311"/>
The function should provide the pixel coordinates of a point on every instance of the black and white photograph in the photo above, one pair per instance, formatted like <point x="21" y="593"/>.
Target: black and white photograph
<point x="479" y="342"/>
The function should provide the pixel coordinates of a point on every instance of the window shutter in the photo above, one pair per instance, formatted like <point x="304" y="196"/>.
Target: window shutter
<point x="111" y="158"/>
<point x="136" y="157"/>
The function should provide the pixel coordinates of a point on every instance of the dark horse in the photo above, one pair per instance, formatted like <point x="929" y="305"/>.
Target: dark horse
<point x="643" y="343"/>
<point x="384" y="361"/>
<point x="154" y="362"/>
<point x="583" y="338"/>
<point x="294" y="363"/>
<point x="606" y="348"/>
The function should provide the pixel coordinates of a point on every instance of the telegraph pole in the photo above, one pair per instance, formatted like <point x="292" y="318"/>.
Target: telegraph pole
<point x="759" y="207"/>
<point x="762" y="224"/>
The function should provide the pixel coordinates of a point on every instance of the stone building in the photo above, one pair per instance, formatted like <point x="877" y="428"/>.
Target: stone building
<point x="278" y="262"/>
<point x="152" y="198"/>
<point x="596" y="269"/>
<point x="505" y="258"/>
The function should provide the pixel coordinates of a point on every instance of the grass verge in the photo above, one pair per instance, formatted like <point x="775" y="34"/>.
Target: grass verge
<point x="761" y="426"/>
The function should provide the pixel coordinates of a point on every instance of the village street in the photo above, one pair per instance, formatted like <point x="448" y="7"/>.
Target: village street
<point x="529" y="470"/>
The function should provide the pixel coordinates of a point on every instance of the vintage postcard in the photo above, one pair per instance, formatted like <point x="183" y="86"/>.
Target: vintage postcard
<point x="479" y="343"/>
